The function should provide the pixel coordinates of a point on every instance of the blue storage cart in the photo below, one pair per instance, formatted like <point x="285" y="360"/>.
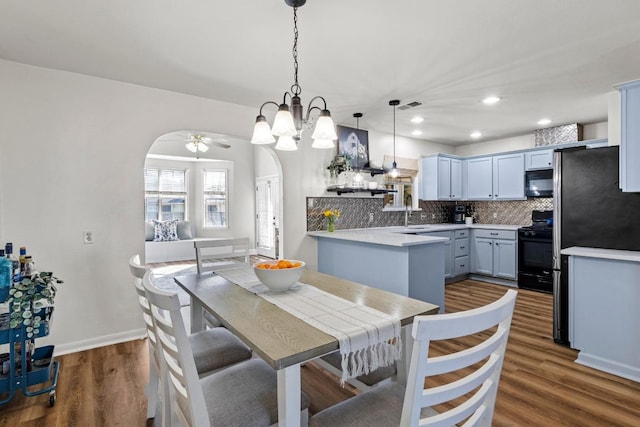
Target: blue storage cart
<point x="43" y="368"/>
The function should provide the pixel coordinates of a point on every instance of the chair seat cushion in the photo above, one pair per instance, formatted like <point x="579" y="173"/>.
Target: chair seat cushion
<point x="380" y="407"/>
<point x="370" y="379"/>
<point x="216" y="348"/>
<point x="244" y="395"/>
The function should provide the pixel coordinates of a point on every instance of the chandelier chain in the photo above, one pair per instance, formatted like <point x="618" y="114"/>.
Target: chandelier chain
<point x="295" y="88"/>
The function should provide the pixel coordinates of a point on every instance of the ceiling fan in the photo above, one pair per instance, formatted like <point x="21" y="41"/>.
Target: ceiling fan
<point x="196" y="142"/>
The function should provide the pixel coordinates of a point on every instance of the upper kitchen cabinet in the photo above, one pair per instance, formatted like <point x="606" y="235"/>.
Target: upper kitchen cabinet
<point x="441" y="178"/>
<point x="495" y="178"/>
<point x="540" y="159"/>
<point x="630" y="136"/>
<point x="479" y="174"/>
<point x="508" y="177"/>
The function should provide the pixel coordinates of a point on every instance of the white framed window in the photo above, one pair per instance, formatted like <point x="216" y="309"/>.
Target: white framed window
<point x="215" y="185"/>
<point x="165" y="194"/>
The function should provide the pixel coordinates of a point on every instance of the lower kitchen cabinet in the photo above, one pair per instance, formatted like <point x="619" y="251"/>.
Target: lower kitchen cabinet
<point x="494" y="253"/>
<point x="461" y="250"/>
<point x="448" y="251"/>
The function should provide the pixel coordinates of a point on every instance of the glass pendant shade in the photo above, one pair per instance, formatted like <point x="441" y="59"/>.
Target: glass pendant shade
<point x="262" y="132"/>
<point x="394" y="171"/>
<point x="286" y="143"/>
<point x="195" y="147"/>
<point x="283" y="124"/>
<point x="325" y="128"/>
<point x="323" y="143"/>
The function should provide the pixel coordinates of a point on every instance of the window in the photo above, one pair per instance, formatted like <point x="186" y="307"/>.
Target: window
<point x="215" y="198"/>
<point x="165" y="194"/>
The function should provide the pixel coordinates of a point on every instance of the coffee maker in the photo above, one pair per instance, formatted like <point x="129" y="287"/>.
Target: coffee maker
<point x="459" y="212"/>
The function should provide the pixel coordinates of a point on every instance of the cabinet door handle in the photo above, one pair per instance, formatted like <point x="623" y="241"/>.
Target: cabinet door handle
<point x="489" y="195"/>
<point x="497" y="244"/>
<point x="495" y="195"/>
<point x="461" y="247"/>
<point x="494" y="234"/>
<point x="461" y="265"/>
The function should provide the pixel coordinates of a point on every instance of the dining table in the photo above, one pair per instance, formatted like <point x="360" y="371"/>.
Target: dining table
<point x="281" y="339"/>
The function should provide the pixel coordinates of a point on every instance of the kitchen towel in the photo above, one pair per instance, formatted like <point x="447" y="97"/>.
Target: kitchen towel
<point x="369" y="339"/>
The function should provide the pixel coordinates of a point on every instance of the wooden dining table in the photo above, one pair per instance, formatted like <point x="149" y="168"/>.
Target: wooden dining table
<point x="281" y="339"/>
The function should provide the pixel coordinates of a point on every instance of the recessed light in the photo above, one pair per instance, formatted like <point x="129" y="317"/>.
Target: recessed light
<point x="543" y="122"/>
<point x="477" y="134"/>
<point x="416" y="132"/>
<point x="417" y="119"/>
<point x="490" y="100"/>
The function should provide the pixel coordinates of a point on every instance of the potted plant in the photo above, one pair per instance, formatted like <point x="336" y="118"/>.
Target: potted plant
<point x="31" y="302"/>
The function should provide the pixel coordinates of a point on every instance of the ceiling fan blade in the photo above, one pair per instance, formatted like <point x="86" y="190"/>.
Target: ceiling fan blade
<point x="220" y="144"/>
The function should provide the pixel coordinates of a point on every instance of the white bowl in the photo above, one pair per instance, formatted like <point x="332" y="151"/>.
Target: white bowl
<point x="280" y="279"/>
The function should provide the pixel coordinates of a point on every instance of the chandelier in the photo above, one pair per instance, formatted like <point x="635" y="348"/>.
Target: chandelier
<point x="290" y="118"/>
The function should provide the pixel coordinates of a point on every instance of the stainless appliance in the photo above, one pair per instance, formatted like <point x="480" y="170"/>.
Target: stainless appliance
<point x="589" y="211"/>
<point x="459" y="212"/>
<point x="535" y="253"/>
<point x="539" y="183"/>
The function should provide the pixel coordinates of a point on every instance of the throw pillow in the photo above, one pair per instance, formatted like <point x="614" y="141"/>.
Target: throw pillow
<point x="165" y="231"/>
<point x="184" y="230"/>
<point x="148" y="231"/>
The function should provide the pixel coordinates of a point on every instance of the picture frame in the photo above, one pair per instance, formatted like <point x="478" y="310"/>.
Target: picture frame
<point x="354" y="144"/>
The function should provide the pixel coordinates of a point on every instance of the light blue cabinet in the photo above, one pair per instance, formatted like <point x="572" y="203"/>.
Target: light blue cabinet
<point x="479" y="178"/>
<point x="630" y="136"/>
<point x="494" y="253"/>
<point x="539" y="159"/>
<point x="441" y="178"/>
<point x="508" y="177"/>
<point x="495" y="178"/>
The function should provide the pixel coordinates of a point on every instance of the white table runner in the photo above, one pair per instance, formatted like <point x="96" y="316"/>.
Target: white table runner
<point x="368" y="338"/>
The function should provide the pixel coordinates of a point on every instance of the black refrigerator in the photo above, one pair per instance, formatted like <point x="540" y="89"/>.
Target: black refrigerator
<point x="590" y="210"/>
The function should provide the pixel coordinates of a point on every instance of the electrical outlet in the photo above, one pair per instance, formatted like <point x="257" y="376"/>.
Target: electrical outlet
<point x="433" y="216"/>
<point x="370" y="216"/>
<point x="423" y="216"/>
<point x="495" y="215"/>
<point x="87" y="236"/>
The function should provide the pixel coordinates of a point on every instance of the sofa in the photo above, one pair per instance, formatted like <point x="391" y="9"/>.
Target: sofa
<point x="157" y="249"/>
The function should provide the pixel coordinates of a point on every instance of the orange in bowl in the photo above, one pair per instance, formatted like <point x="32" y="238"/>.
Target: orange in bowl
<point x="279" y="275"/>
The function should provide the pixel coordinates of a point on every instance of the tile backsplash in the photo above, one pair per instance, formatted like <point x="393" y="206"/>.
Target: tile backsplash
<point x="359" y="212"/>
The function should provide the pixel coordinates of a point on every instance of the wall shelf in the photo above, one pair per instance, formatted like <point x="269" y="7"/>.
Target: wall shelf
<point x="343" y="190"/>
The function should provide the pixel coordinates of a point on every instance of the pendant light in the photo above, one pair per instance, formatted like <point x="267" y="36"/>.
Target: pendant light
<point x="358" y="179"/>
<point x="393" y="173"/>
<point x="289" y="121"/>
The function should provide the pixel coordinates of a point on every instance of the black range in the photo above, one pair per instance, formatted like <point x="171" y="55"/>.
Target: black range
<point x="535" y="253"/>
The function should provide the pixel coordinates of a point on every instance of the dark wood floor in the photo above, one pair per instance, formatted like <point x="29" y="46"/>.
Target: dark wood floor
<point x="540" y="383"/>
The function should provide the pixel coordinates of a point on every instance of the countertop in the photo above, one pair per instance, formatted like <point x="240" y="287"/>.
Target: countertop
<point x="403" y="236"/>
<point x="613" y="254"/>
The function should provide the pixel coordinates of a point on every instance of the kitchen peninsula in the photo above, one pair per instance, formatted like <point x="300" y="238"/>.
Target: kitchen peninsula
<point x="386" y="258"/>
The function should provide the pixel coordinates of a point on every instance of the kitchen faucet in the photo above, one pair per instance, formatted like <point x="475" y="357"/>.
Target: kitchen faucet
<point x="408" y="201"/>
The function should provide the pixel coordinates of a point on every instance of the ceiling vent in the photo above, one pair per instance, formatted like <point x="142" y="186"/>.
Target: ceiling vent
<point x="409" y="105"/>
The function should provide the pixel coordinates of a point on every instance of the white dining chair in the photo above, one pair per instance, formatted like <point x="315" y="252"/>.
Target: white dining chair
<point x="217" y="254"/>
<point x="245" y="394"/>
<point x="478" y="366"/>
<point x="213" y="349"/>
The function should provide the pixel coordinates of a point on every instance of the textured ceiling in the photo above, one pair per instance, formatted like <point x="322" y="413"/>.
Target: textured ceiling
<point x="545" y="58"/>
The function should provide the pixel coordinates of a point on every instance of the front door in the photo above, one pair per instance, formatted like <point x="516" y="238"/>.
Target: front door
<point x="267" y="220"/>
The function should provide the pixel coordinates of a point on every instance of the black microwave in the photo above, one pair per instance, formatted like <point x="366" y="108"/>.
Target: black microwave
<point x="539" y="183"/>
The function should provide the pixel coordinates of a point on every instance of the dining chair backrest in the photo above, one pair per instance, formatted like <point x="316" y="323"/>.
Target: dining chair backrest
<point x="158" y="386"/>
<point x="218" y="254"/>
<point x="176" y="351"/>
<point x="477" y="407"/>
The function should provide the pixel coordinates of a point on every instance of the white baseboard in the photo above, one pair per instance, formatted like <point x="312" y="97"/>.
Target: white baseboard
<point x="611" y="366"/>
<point x="494" y="280"/>
<point x="102" y="341"/>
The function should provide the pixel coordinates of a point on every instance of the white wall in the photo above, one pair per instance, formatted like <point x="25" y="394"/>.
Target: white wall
<point x="523" y="142"/>
<point x="72" y="152"/>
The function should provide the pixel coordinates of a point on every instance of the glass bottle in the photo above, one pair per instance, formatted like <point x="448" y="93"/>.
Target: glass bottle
<point x="28" y="266"/>
<point x="15" y="264"/>
<point x="5" y="271"/>
<point x="23" y="254"/>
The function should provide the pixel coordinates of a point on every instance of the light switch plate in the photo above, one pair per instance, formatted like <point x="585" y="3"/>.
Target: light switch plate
<point x="87" y="237"/>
